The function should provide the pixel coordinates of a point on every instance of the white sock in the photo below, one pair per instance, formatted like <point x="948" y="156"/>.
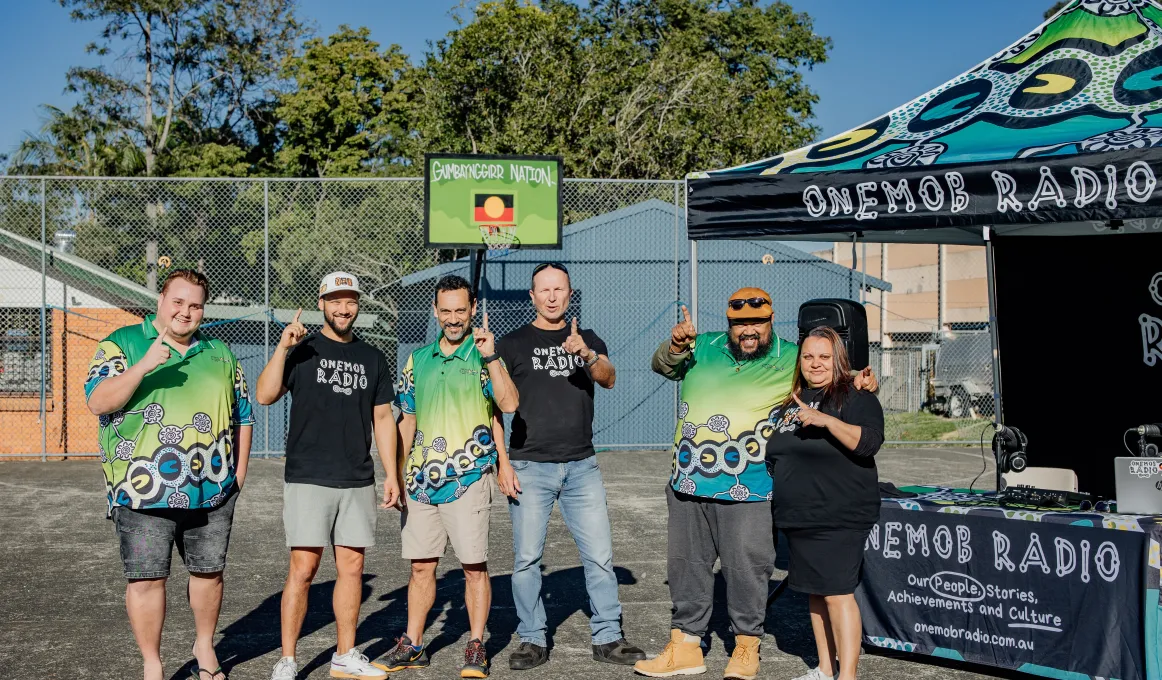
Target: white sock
<point x="692" y="639"/>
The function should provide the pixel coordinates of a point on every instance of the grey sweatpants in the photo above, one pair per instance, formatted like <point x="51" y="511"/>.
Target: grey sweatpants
<point x="741" y="535"/>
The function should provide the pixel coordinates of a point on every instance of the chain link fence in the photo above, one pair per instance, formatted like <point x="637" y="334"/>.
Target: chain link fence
<point x="80" y="258"/>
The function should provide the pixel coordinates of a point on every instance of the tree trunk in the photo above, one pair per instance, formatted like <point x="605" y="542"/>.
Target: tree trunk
<point x="147" y="116"/>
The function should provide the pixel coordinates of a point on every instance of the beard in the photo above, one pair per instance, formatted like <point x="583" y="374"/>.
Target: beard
<point x="340" y="326"/>
<point x="454" y="332"/>
<point x="740" y="354"/>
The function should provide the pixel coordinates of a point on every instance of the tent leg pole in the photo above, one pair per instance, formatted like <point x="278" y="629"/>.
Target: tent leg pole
<point x="992" y="292"/>
<point x="694" y="282"/>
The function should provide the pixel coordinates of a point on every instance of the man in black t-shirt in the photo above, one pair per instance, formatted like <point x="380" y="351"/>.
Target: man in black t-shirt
<point x="550" y="459"/>
<point x="341" y="390"/>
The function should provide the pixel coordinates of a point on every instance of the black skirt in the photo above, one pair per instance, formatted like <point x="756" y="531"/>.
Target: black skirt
<point x="825" y="561"/>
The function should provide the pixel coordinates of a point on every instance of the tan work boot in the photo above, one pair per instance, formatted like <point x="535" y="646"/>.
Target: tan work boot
<point x="682" y="656"/>
<point x="744" y="663"/>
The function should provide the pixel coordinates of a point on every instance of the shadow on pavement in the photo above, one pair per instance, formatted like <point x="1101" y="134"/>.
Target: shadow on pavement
<point x="257" y="633"/>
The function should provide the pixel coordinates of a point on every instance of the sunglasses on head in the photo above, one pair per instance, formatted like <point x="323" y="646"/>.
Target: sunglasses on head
<point x="550" y="265"/>
<point x="754" y="302"/>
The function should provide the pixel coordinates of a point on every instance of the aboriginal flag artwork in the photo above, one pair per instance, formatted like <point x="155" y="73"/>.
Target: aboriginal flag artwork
<point x="470" y="197"/>
<point x="493" y="208"/>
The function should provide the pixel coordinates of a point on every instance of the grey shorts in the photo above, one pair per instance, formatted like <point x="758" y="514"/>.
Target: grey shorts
<point x="148" y="537"/>
<point x="320" y="516"/>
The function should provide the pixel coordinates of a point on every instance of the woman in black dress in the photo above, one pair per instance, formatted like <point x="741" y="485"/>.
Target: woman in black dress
<point x="827" y="493"/>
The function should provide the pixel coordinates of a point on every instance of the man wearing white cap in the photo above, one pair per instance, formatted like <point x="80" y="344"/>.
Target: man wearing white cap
<point x="342" y="391"/>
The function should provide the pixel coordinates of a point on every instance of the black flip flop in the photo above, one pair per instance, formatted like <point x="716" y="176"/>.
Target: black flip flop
<point x="196" y="673"/>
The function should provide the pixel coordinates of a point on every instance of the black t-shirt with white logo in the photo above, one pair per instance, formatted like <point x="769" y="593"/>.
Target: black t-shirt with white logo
<point x="554" y="423"/>
<point x="819" y="483"/>
<point x="335" y="387"/>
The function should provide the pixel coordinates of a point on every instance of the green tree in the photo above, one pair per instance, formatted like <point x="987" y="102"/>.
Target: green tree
<point x="75" y="143"/>
<point x="203" y="70"/>
<point x="622" y="88"/>
<point x="1057" y="7"/>
<point x="347" y="112"/>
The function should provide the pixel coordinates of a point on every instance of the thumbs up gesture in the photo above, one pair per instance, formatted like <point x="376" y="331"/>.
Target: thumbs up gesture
<point x="484" y="339"/>
<point x="158" y="353"/>
<point x="683" y="334"/>
<point x="575" y="344"/>
<point x="294" y="333"/>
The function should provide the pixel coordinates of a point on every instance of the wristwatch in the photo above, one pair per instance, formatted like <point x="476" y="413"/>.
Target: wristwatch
<point x="592" y="360"/>
<point x="490" y="358"/>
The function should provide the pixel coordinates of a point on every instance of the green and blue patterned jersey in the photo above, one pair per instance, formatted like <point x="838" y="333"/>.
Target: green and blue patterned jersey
<point x="172" y="444"/>
<point x="724" y="419"/>
<point x="451" y="398"/>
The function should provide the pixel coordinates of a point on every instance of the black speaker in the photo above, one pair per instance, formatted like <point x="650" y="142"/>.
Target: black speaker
<point x="847" y="317"/>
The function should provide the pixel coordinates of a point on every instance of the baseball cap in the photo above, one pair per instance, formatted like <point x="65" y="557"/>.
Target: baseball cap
<point x="749" y="298"/>
<point x="337" y="281"/>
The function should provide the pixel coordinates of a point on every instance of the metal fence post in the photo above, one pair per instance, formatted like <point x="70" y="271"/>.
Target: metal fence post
<point x="43" y="320"/>
<point x="677" y="269"/>
<point x="266" y="302"/>
<point x="941" y="290"/>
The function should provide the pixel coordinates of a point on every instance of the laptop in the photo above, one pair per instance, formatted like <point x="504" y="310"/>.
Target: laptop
<point x="1139" y="485"/>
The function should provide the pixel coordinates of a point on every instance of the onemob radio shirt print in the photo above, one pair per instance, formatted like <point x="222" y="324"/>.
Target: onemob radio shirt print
<point x="172" y="444"/>
<point x="724" y="419"/>
<point x="334" y="387"/>
<point x="451" y="398"/>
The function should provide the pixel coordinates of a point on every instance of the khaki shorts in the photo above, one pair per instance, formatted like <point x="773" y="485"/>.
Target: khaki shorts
<point x="464" y="521"/>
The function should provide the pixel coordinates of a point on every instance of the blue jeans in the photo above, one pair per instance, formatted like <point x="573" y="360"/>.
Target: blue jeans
<point x="578" y="487"/>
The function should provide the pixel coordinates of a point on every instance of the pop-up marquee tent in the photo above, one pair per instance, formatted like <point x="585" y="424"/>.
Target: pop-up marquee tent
<point x="1047" y="153"/>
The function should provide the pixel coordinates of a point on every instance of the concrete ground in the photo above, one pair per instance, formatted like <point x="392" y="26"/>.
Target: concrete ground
<point x="62" y="610"/>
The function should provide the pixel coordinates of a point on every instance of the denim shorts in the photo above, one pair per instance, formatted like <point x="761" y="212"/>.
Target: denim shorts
<point x="148" y="537"/>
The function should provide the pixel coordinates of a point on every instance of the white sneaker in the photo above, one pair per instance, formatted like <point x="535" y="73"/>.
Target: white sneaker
<point x="354" y="665"/>
<point x="816" y="674"/>
<point x="285" y="669"/>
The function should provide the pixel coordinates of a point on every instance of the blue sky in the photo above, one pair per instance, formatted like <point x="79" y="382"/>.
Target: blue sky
<point x="885" y="53"/>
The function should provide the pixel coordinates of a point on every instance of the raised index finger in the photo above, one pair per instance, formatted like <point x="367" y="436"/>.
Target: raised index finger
<point x="297" y="315"/>
<point x="574" y="325"/>
<point x="486" y="321"/>
<point x="685" y="314"/>
<point x="798" y="400"/>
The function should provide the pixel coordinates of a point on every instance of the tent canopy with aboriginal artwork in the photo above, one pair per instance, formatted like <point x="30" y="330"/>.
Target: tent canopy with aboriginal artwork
<point x="1061" y="133"/>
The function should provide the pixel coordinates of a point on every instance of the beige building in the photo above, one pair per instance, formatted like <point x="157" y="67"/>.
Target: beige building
<point x="933" y="287"/>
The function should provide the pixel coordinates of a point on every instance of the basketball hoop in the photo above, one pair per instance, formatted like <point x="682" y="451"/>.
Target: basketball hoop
<point x="499" y="239"/>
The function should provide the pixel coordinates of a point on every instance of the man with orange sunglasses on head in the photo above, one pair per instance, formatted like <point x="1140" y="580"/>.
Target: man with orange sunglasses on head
<point x="720" y="490"/>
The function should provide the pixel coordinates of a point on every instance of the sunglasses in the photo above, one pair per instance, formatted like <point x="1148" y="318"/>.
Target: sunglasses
<point x="550" y="265"/>
<point x="754" y="303"/>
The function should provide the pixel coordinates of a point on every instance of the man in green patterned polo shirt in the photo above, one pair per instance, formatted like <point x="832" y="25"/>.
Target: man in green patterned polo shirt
<point x="175" y="422"/>
<point x="719" y="495"/>
<point x="446" y="394"/>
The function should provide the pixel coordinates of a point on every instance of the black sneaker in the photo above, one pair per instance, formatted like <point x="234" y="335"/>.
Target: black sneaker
<point x="620" y="652"/>
<point x="405" y="655"/>
<point x="475" y="660"/>
<point x="526" y="656"/>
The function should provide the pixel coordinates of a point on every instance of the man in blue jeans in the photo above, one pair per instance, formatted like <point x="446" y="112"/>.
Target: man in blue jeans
<point x="550" y="459"/>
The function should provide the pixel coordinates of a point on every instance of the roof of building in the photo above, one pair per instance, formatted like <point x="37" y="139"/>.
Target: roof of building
<point x="118" y="290"/>
<point x="664" y="216"/>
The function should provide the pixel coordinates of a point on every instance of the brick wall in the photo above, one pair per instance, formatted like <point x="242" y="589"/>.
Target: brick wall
<point x="70" y="426"/>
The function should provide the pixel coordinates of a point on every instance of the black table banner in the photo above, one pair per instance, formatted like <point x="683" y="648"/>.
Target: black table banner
<point x="1037" y="596"/>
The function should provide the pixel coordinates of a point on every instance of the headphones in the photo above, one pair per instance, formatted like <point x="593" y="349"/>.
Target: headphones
<point x="1100" y="506"/>
<point x="1009" y="447"/>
